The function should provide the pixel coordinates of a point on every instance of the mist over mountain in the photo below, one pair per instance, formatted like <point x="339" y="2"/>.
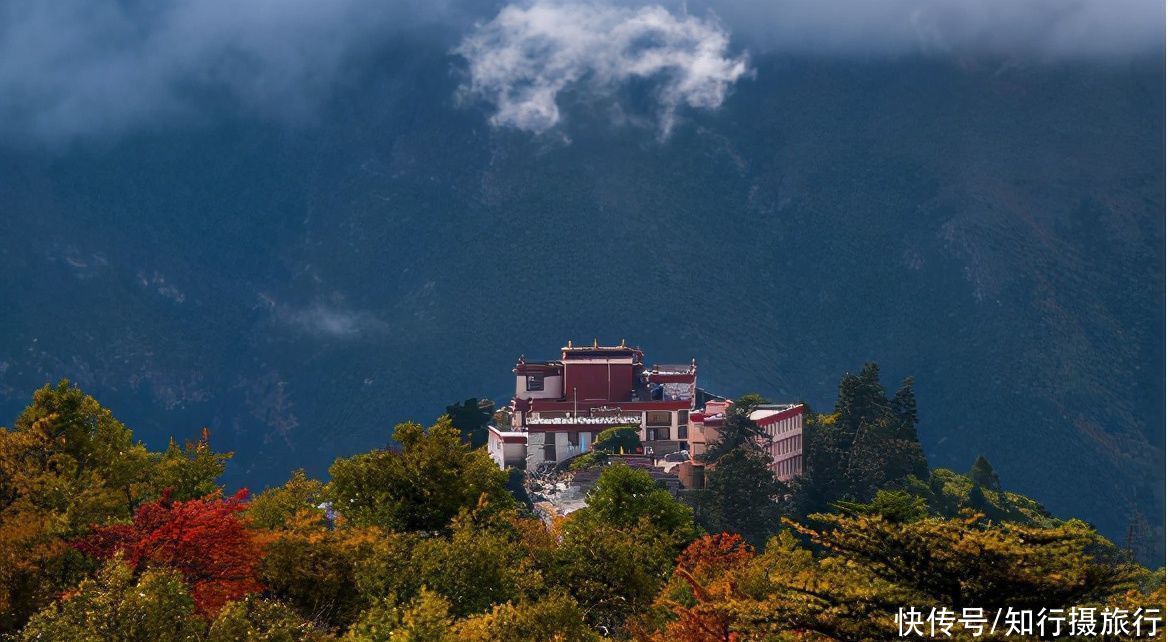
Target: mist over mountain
<point x="300" y="269"/>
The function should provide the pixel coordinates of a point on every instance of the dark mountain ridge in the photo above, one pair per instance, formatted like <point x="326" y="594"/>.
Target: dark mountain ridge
<point x="995" y="231"/>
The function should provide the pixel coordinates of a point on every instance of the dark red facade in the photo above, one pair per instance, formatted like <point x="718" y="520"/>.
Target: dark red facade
<point x="601" y="373"/>
<point x="599" y="381"/>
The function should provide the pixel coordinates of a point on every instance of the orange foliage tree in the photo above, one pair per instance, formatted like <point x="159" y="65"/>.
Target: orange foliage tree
<point x="696" y="597"/>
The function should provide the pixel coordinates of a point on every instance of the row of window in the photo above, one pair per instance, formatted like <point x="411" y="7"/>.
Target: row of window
<point x="580" y="441"/>
<point x="790" y="467"/>
<point x="788" y="445"/>
<point x="785" y="425"/>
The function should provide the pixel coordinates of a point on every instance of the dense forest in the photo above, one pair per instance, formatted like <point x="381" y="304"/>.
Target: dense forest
<point x="428" y="541"/>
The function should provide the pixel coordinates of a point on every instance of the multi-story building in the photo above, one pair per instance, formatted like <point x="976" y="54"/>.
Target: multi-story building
<point x="782" y="425"/>
<point x="561" y="406"/>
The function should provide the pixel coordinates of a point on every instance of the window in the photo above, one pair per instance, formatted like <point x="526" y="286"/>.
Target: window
<point x="574" y="439"/>
<point x="534" y="383"/>
<point x="683" y="431"/>
<point x="658" y="418"/>
<point x="549" y="446"/>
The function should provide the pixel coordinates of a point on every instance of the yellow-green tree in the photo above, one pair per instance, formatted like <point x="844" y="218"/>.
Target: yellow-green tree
<point x="254" y="619"/>
<point x="617" y="552"/>
<point x="871" y="563"/>
<point x="426" y="618"/>
<point x="420" y="487"/>
<point x="189" y="471"/>
<point x="554" y="618"/>
<point x="477" y="566"/>
<point x="116" y="605"/>
<point x="288" y="506"/>
<point x="65" y="464"/>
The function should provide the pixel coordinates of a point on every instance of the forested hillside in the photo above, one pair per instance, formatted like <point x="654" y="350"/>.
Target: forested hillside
<point x="104" y="539"/>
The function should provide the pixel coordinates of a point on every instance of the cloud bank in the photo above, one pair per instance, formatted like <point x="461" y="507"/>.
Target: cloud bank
<point x="1037" y="30"/>
<point x="78" y="69"/>
<point x="72" y="68"/>
<point x="527" y="56"/>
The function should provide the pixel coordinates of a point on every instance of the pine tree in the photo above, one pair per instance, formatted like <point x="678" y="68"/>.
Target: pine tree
<point x="904" y="406"/>
<point x="742" y="496"/>
<point x="982" y="473"/>
<point x="471" y="418"/>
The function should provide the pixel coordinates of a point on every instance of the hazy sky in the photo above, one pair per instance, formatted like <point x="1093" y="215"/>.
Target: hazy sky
<point x="77" y="68"/>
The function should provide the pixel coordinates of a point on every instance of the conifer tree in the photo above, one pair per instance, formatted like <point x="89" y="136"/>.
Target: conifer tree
<point x="982" y="473"/>
<point x="742" y="496"/>
<point x="471" y="418"/>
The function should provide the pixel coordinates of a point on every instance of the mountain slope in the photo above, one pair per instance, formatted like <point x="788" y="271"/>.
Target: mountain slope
<point x="995" y="231"/>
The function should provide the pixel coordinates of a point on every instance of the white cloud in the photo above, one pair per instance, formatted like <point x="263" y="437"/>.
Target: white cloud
<point x="527" y="56"/>
<point x="331" y="322"/>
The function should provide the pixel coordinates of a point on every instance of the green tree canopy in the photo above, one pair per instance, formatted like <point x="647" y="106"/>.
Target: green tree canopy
<point x="117" y="605"/>
<point x="742" y="496"/>
<point x="67" y="463"/>
<point x="555" y="617"/>
<point x="623" y="496"/>
<point x="612" y="572"/>
<point x="619" y="439"/>
<point x="189" y="472"/>
<point x="968" y="561"/>
<point x="426" y="618"/>
<point x="477" y="566"/>
<point x="278" y="507"/>
<point x="862" y="567"/>
<point x="419" y="487"/>
<point x="255" y="619"/>
<point x="617" y="551"/>
<point x="869" y="443"/>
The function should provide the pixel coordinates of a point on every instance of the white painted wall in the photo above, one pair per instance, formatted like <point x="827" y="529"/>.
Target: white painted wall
<point x="505" y="455"/>
<point x="553" y="388"/>
<point x="564" y="450"/>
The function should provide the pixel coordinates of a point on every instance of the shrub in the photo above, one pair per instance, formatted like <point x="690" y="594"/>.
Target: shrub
<point x="618" y="439"/>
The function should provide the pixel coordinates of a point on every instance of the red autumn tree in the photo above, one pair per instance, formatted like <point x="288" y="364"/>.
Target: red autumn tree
<point x="203" y="539"/>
